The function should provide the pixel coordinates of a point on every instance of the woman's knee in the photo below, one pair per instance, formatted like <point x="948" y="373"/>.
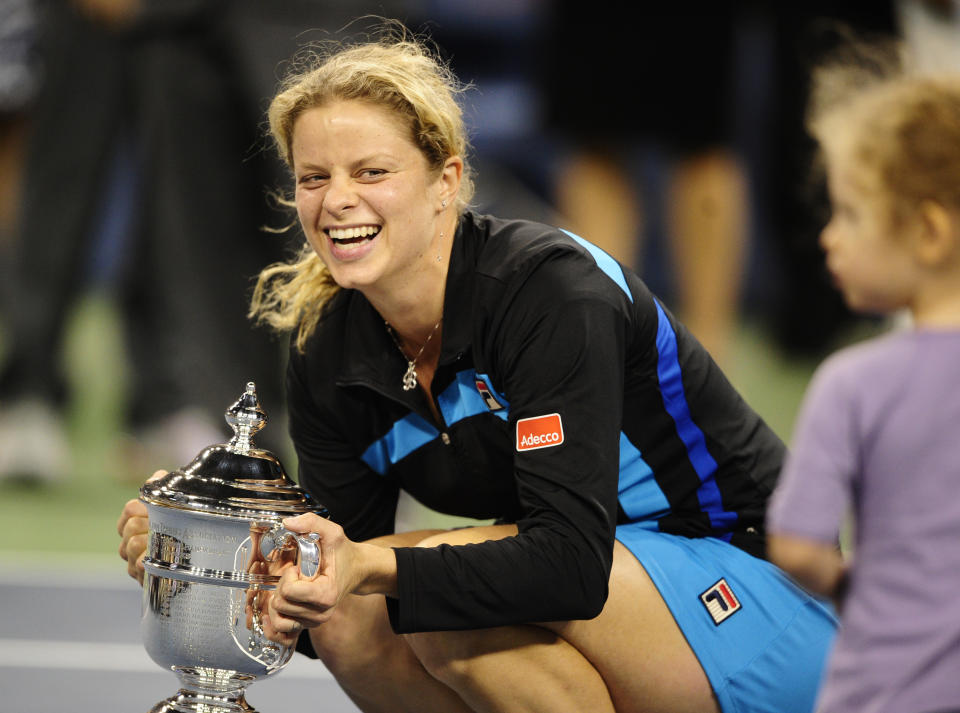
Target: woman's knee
<point x="447" y="655"/>
<point x="353" y="641"/>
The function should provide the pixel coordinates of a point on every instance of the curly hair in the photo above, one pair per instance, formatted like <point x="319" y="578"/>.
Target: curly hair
<point x="898" y="129"/>
<point x="397" y="71"/>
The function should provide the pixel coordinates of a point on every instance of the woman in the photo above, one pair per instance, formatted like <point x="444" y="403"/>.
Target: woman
<point x="505" y="370"/>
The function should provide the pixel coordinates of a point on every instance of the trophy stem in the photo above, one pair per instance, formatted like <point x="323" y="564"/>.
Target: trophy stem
<point x="207" y="691"/>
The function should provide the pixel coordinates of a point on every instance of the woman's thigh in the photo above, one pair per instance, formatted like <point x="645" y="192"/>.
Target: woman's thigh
<point x="637" y="647"/>
<point x="634" y="644"/>
<point x="760" y="640"/>
<point x="359" y="632"/>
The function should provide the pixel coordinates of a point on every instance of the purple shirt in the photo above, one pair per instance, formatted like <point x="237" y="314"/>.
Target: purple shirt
<point x="878" y="437"/>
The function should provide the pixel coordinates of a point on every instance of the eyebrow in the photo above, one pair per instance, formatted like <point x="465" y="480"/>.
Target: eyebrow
<point x="374" y="158"/>
<point x="366" y="160"/>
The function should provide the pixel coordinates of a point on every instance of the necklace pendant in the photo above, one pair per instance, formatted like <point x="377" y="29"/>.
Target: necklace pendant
<point x="410" y="378"/>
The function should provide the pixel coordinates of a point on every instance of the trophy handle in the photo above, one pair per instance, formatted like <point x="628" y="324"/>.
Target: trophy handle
<point x="280" y="538"/>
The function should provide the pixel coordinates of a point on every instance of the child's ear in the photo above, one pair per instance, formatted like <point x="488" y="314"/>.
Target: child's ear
<point x="938" y="234"/>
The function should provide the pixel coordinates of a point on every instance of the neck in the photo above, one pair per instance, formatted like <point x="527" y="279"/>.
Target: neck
<point x="943" y="314"/>
<point x="419" y="352"/>
<point x="937" y="305"/>
<point x="413" y="304"/>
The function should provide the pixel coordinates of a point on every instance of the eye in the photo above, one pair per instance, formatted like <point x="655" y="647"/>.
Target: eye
<point x="312" y="179"/>
<point x="372" y="174"/>
<point x="843" y="211"/>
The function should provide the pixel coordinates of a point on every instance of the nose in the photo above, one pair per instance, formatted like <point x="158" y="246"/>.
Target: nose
<point x="828" y="236"/>
<point x="340" y="195"/>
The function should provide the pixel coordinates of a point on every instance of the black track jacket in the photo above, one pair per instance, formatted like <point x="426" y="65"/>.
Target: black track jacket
<point x="572" y="402"/>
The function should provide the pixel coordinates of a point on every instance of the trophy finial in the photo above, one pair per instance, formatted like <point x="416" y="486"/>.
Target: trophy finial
<point x="246" y="418"/>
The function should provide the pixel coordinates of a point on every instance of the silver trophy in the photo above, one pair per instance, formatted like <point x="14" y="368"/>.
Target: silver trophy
<point x="216" y="544"/>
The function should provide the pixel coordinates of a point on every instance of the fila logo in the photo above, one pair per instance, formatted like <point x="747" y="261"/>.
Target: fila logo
<point x="488" y="397"/>
<point x="720" y="602"/>
<point x="539" y="432"/>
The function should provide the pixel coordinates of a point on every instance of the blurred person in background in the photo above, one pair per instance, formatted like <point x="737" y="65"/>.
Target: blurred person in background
<point x="144" y="179"/>
<point x="20" y="78"/>
<point x="679" y="69"/>
<point x="706" y="186"/>
<point x="19" y="81"/>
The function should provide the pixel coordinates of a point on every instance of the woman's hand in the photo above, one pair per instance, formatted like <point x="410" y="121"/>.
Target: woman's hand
<point x="346" y="567"/>
<point x="134" y="528"/>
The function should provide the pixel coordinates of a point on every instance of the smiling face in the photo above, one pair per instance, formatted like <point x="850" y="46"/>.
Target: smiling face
<point x="870" y="261"/>
<point x="367" y="200"/>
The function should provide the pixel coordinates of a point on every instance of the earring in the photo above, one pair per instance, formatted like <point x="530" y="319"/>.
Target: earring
<point x="439" y="258"/>
<point x="443" y="204"/>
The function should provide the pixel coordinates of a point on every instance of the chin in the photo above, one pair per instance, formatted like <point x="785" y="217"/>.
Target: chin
<point x="869" y="307"/>
<point x="350" y="278"/>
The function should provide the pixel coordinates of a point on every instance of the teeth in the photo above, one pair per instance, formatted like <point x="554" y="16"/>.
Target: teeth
<point x="352" y="233"/>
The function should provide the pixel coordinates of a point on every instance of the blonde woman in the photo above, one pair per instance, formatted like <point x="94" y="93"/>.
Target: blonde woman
<point x="506" y="370"/>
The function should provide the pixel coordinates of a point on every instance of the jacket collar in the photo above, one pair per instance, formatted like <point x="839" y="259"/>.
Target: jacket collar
<point x="369" y="354"/>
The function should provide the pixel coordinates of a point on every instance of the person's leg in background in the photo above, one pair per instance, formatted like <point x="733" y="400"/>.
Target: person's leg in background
<point x="75" y="114"/>
<point x="203" y="209"/>
<point x="684" y="90"/>
<point x="601" y="201"/>
<point x="708" y="219"/>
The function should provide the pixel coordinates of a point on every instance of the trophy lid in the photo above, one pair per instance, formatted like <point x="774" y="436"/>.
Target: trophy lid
<point x="233" y="479"/>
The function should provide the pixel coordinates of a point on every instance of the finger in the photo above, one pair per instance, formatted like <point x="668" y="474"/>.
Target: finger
<point x="310" y="594"/>
<point x="307" y="522"/>
<point x="301" y="603"/>
<point x="133" y="508"/>
<point x="308" y="601"/>
<point x="141" y="571"/>
<point x="283" y="638"/>
<point x="296" y="589"/>
<point x="136" y="507"/>
<point x="280" y="622"/>
<point x="138" y="528"/>
<point x="136" y="549"/>
<point x="138" y="525"/>
<point x="291" y="611"/>
<point x="135" y="564"/>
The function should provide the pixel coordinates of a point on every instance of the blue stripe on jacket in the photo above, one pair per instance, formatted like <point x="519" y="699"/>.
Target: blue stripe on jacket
<point x="675" y="401"/>
<point x="458" y="401"/>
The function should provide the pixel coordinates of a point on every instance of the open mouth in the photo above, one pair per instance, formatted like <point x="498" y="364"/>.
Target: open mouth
<point x="353" y="236"/>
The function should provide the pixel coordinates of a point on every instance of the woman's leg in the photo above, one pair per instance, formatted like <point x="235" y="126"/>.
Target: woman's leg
<point x="515" y="669"/>
<point x="631" y="658"/>
<point x="637" y="647"/>
<point x="375" y="667"/>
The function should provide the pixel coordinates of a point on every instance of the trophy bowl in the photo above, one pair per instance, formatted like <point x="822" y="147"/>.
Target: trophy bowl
<point x="216" y="544"/>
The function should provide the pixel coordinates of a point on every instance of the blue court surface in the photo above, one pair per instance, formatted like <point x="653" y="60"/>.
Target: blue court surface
<point x="70" y="641"/>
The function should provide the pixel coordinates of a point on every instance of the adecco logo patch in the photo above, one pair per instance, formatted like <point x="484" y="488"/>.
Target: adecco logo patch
<point x="539" y="432"/>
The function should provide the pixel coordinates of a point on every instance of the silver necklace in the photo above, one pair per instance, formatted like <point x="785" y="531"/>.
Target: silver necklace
<point x="410" y="376"/>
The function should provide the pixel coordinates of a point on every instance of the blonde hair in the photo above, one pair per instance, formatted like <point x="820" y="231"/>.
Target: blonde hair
<point x="899" y="132"/>
<point x="396" y="71"/>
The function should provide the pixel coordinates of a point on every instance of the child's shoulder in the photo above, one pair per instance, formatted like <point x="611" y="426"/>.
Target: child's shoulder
<point x="876" y="360"/>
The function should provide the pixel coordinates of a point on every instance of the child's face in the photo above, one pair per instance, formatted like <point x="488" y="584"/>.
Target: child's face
<point x="871" y="265"/>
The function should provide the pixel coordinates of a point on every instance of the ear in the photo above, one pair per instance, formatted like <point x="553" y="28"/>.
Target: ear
<point x="938" y="234"/>
<point x="449" y="179"/>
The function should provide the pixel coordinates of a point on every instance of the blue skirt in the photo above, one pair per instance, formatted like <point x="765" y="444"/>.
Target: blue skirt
<point x="762" y="640"/>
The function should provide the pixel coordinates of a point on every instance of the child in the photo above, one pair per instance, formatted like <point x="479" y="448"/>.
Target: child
<point x="879" y="428"/>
